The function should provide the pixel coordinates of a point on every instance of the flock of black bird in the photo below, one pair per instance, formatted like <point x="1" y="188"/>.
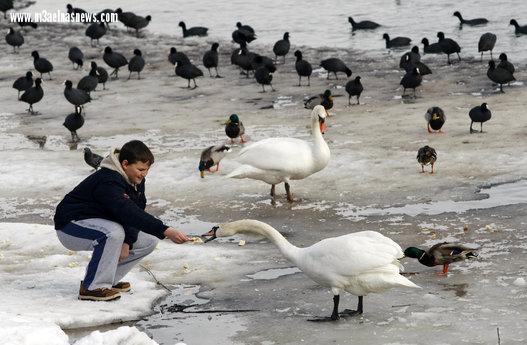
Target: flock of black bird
<point x="261" y="66"/>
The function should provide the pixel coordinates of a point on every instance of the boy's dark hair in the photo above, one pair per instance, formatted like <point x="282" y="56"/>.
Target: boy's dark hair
<point x="136" y="151"/>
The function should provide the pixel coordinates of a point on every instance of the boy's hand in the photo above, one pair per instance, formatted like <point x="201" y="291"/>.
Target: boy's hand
<point x="125" y="251"/>
<point x="176" y="236"/>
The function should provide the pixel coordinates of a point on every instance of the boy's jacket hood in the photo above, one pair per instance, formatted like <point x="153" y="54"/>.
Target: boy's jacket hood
<point x="112" y="162"/>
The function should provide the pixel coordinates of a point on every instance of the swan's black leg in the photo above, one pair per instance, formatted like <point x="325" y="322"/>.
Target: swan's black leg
<point x="288" y="192"/>
<point x="349" y="312"/>
<point x="334" y="315"/>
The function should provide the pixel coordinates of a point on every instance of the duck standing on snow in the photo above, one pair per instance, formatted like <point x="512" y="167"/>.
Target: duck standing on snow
<point x="359" y="263"/>
<point x="303" y="68"/>
<point x="210" y="157"/>
<point x="441" y="254"/>
<point x="281" y="47"/>
<point x="487" y="41"/>
<point x="448" y="46"/>
<point x="14" y="39"/>
<point x="505" y="64"/>
<point x="354" y="88"/>
<point x="499" y="75"/>
<point x="411" y="80"/>
<point x="335" y="65"/>
<point x="435" y="117"/>
<point x="210" y="59"/>
<point x="73" y="122"/>
<point x="114" y="60"/>
<point x="426" y="155"/>
<point x="23" y="83"/>
<point x="277" y="160"/>
<point x="234" y="128"/>
<point x="480" y="113"/>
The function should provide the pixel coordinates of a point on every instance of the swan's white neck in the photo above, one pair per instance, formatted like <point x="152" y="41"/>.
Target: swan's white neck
<point x="289" y="251"/>
<point x="321" y="149"/>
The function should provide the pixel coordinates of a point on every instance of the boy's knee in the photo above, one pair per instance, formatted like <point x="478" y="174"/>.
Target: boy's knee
<point x="149" y="243"/>
<point x="152" y="244"/>
<point x="115" y="233"/>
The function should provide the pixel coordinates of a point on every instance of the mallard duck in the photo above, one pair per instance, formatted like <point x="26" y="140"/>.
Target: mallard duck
<point x="441" y="254"/>
<point x="325" y="99"/>
<point x="210" y="157"/>
<point x="234" y="128"/>
<point x="359" y="263"/>
<point x="426" y="155"/>
<point x="435" y="117"/>
<point x="277" y="160"/>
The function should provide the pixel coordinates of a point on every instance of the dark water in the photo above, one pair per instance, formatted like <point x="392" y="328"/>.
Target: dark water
<point x="325" y="23"/>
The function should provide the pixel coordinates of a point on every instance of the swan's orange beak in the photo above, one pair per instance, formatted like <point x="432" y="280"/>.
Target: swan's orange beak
<point x="323" y="127"/>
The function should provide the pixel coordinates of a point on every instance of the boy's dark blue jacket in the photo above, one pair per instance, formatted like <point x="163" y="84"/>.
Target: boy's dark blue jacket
<point x="106" y="194"/>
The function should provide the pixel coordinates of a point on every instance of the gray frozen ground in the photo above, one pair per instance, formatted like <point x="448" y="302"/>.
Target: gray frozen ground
<point x="372" y="168"/>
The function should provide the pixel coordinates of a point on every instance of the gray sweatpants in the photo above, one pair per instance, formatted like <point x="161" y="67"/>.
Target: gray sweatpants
<point x="105" y="238"/>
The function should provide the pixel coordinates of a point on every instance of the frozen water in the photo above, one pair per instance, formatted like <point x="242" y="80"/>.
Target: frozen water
<point x="499" y="195"/>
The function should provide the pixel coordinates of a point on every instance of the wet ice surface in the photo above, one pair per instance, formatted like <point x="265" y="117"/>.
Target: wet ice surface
<point x="183" y="316"/>
<point x="274" y="273"/>
<point x="498" y="195"/>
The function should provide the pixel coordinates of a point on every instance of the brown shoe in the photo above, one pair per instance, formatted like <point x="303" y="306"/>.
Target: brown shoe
<point x="102" y="294"/>
<point x="122" y="286"/>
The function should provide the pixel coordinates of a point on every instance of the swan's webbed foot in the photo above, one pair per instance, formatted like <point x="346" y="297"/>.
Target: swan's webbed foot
<point x="334" y="314"/>
<point x="349" y="312"/>
<point x="325" y="319"/>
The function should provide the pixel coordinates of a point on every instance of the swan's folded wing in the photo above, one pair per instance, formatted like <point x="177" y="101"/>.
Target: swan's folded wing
<point x="278" y="154"/>
<point x="349" y="256"/>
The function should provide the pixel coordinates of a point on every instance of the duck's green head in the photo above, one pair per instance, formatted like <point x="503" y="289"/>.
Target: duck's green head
<point x="234" y="119"/>
<point x="413" y="252"/>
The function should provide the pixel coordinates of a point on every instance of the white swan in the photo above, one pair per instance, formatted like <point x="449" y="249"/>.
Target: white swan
<point x="277" y="160"/>
<point x="359" y="263"/>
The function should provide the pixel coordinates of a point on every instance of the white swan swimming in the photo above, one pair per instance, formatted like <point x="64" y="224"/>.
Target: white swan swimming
<point x="358" y="263"/>
<point x="277" y="160"/>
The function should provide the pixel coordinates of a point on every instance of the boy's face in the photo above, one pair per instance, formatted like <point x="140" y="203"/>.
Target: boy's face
<point x="136" y="172"/>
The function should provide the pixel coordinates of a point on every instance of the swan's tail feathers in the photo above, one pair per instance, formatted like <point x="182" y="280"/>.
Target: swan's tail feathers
<point x="244" y="171"/>
<point x="403" y="281"/>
